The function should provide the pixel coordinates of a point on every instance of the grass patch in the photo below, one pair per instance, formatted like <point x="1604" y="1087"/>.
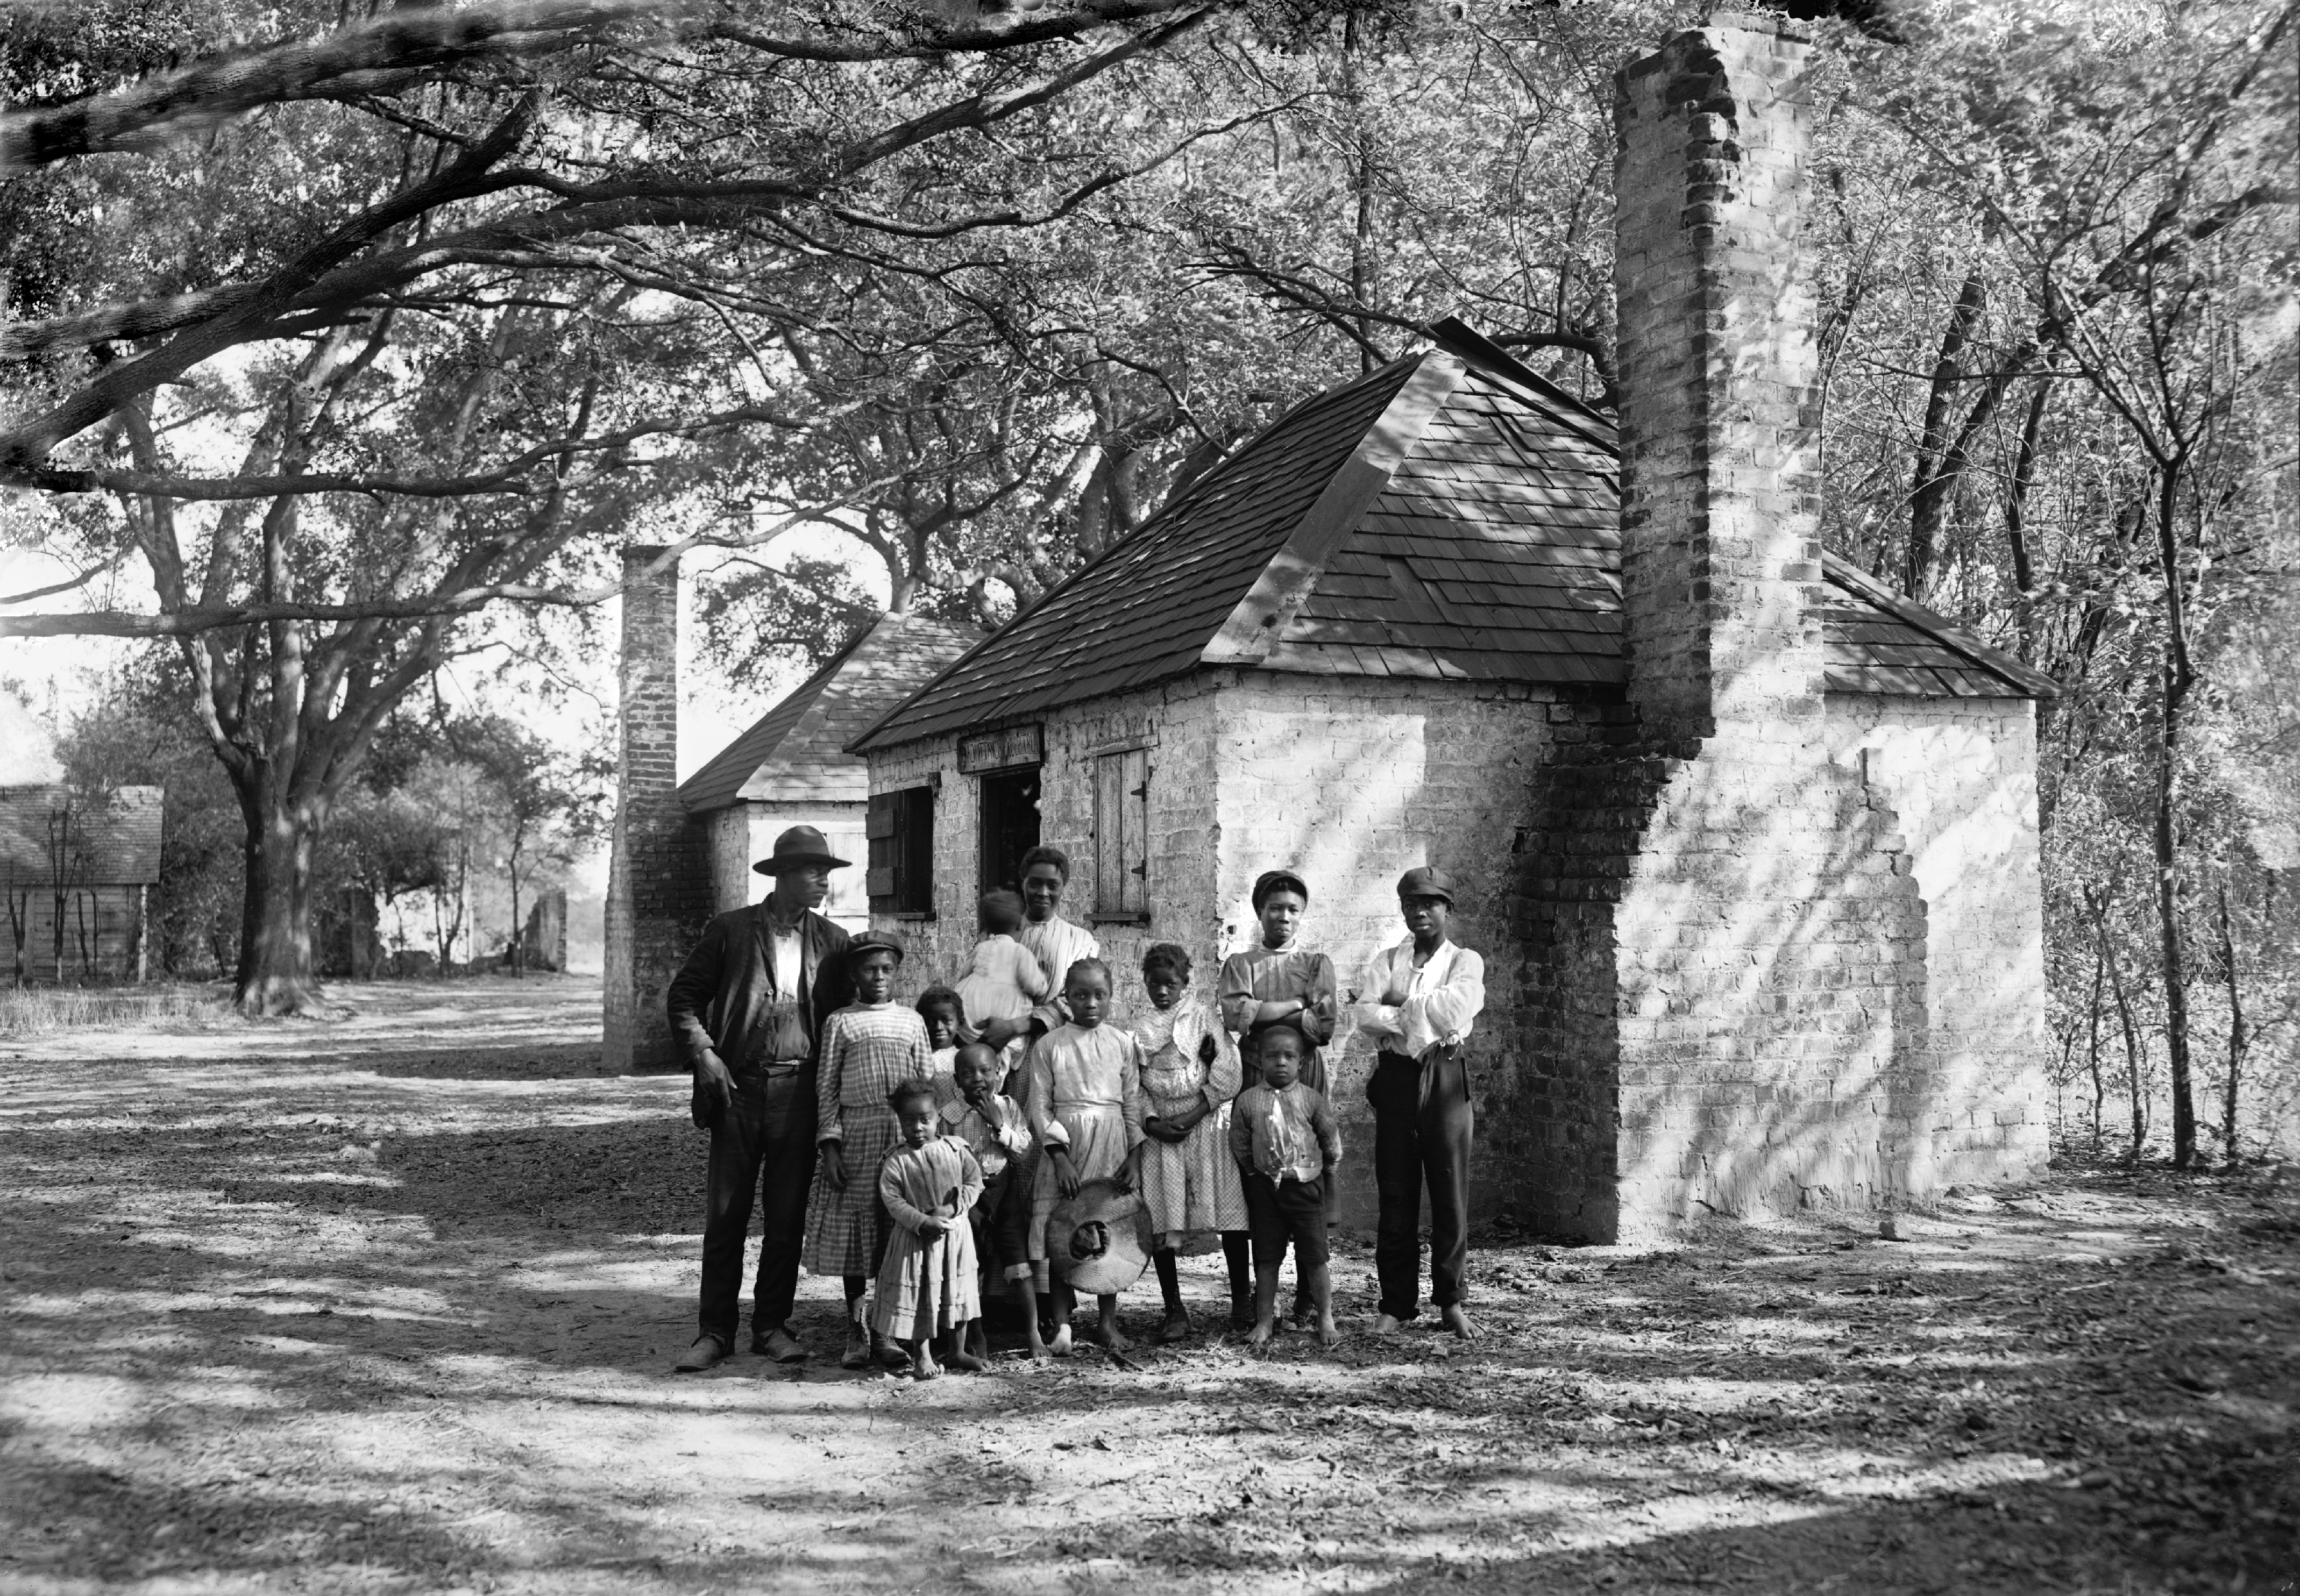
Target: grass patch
<point x="44" y="1010"/>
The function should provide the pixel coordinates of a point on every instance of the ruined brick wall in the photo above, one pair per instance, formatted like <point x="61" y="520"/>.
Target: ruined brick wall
<point x="1725" y="978"/>
<point x="658" y="877"/>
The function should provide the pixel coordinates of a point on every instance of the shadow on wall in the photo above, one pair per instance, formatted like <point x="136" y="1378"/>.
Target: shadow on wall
<point x="1727" y="999"/>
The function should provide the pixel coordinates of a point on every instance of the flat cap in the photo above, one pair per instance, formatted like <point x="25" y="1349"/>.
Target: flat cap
<point x="1426" y="881"/>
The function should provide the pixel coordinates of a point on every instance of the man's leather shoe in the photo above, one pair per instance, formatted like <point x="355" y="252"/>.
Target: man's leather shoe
<point x="889" y="1354"/>
<point x="707" y="1353"/>
<point x="858" y="1346"/>
<point x="779" y="1345"/>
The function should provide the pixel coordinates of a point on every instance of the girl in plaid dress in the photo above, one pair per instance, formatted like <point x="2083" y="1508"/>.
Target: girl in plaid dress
<point x="867" y="1047"/>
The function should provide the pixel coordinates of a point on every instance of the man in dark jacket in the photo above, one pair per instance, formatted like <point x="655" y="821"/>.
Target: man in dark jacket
<point x="747" y="1010"/>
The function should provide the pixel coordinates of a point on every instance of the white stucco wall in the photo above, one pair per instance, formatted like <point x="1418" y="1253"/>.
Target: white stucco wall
<point x="740" y="834"/>
<point x="1962" y="776"/>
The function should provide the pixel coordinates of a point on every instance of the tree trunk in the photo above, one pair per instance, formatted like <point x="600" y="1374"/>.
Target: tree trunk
<point x="2178" y="677"/>
<point x="517" y="930"/>
<point x="2131" y="1030"/>
<point x="2099" y="1087"/>
<point x="278" y="973"/>
<point x="2016" y="519"/>
<point x="1929" y="490"/>
<point x="2236" y="1041"/>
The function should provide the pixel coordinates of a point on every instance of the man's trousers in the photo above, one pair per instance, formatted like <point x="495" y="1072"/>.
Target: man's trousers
<point x="1421" y="1129"/>
<point x="762" y="1147"/>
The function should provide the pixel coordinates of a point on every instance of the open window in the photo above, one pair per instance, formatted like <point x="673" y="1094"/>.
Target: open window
<point x="1122" y="835"/>
<point x="901" y="827"/>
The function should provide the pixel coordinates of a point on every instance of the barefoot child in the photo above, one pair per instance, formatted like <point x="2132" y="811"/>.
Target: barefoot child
<point x="1190" y="1072"/>
<point x="1287" y="1145"/>
<point x="1004" y="981"/>
<point x="1085" y="1104"/>
<point x="867" y="1047"/>
<point x="994" y="1128"/>
<point x="930" y="1185"/>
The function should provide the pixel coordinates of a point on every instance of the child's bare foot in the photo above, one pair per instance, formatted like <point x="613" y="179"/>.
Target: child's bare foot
<point x="1060" y="1346"/>
<point x="1265" y="1331"/>
<point x="1460" y="1323"/>
<point x="923" y="1364"/>
<point x="1328" y="1333"/>
<point x="1387" y="1324"/>
<point x="1175" y="1327"/>
<point x="1110" y="1335"/>
<point x="966" y="1362"/>
<point x="1038" y="1352"/>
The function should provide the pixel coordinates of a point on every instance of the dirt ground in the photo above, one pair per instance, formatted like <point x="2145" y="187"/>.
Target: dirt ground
<point x="390" y="1303"/>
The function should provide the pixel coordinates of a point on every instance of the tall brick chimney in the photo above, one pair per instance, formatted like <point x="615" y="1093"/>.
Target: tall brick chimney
<point x="657" y="900"/>
<point x="1721" y="522"/>
<point x="1725" y="974"/>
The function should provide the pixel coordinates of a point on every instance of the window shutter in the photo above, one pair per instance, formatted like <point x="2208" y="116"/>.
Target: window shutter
<point x="1134" y="791"/>
<point x="1109" y="834"/>
<point x="879" y="825"/>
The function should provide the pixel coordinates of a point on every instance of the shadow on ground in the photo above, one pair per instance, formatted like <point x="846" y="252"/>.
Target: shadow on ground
<point x="406" y="1325"/>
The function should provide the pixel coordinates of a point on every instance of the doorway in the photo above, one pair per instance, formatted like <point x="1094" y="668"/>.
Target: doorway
<point x="1010" y="824"/>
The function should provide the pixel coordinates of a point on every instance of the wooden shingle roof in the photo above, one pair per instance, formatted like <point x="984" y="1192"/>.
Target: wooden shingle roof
<point x="112" y="843"/>
<point x="796" y="751"/>
<point x="1450" y="516"/>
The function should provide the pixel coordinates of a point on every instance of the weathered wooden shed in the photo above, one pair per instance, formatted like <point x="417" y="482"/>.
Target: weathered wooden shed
<point x="75" y="869"/>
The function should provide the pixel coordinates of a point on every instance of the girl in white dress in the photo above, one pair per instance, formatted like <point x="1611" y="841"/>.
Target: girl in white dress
<point x="1084" y="1107"/>
<point x="1190" y="1072"/>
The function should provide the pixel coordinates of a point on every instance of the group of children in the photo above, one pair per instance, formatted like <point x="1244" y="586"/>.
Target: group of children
<point x="966" y="1173"/>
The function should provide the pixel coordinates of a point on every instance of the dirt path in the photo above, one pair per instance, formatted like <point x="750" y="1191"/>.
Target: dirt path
<point x="389" y="1304"/>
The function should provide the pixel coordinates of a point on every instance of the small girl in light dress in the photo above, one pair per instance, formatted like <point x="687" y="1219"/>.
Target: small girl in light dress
<point x="1006" y="980"/>
<point x="926" y="1287"/>
<point x="1084" y="1107"/>
<point x="1190" y="1072"/>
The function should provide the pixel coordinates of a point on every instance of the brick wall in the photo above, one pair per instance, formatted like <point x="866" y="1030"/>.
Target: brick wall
<point x="658" y="877"/>
<point x="1176" y="722"/>
<point x="1962" y="774"/>
<point x="1351" y="781"/>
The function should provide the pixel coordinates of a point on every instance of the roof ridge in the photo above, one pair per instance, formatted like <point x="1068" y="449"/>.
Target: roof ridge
<point x="1135" y="540"/>
<point x="2012" y="670"/>
<point x="813" y="684"/>
<point x="1291" y="575"/>
<point x="1450" y="333"/>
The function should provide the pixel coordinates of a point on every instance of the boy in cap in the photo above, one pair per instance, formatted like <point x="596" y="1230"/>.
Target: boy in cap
<point x="1421" y="996"/>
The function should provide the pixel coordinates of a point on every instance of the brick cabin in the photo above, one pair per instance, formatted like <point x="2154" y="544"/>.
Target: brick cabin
<point x="90" y="863"/>
<point x="1749" y="842"/>
<point x="792" y="767"/>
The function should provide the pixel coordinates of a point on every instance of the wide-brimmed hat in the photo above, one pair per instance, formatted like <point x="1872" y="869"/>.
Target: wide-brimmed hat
<point x="800" y="845"/>
<point x="1099" y="1241"/>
